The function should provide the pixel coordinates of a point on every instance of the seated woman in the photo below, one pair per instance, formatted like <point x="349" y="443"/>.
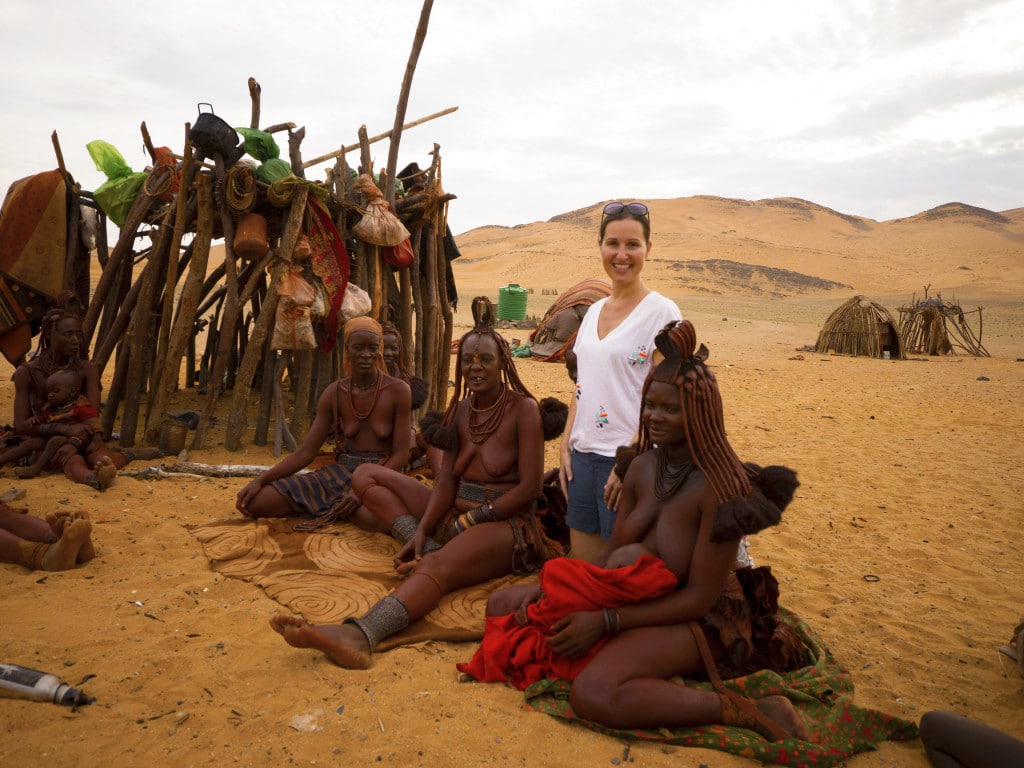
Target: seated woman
<point x="391" y="350"/>
<point x="421" y="455"/>
<point x="81" y="458"/>
<point x="479" y="520"/>
<point x="368" y="412"/>
<point x="619" y="634"/>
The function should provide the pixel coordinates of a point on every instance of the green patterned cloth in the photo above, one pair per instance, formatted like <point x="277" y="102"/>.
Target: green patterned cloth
<point x="821" y="692"/>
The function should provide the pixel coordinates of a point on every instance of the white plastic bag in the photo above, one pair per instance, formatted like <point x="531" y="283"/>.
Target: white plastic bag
<point x="355" y="303"/>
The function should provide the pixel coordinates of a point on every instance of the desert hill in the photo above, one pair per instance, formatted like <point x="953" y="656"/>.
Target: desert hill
<point x="770" y="248"/>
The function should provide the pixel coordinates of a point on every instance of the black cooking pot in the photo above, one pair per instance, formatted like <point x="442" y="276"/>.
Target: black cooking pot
<point x="212" y="135"/>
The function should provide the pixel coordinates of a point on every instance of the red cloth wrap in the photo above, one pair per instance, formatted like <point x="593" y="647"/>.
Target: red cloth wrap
<point x="521" y="655"/>
<point x="329" y="260"/>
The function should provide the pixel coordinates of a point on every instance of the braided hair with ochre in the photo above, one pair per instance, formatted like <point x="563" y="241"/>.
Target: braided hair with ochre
<point x="750" y="497"/>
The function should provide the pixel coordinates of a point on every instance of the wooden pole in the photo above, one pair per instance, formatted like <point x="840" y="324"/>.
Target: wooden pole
<point x="60" y="156"/>
<point x="170" y="285"/>
<point x="403" y="97"/>
<point x="120" y="324"/>
<point x="261" y="329"/>
<point x="138" y="211"/>
<point x="294" y="154"/>
<point x="431" y="363"/>
<point x="147" y="142"/>
<point x="254" y="96"/>
<point x="185" y="319"/>
<point x="114" y="394"/>
<point x="374" y="139"/>
<point x="141" y="334"/>
<point x="302" y="363"/>
<point x="266" y="393"/>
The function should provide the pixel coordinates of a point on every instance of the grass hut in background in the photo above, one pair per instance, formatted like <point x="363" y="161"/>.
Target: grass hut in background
<point x="861" y="327"/>
<point x="934" y="327"/>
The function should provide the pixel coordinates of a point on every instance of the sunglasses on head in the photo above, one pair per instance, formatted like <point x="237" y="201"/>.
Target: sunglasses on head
<point x="637" y="209"/>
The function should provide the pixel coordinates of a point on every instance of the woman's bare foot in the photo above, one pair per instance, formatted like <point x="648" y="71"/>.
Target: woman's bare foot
<point x="343" y="644"/>
<point x="26" y="473"/>
<point x="106" y="473"/>
<point x="58" y="521"/>
<point x="63" y="555"/>
<point x="780" y="711"/>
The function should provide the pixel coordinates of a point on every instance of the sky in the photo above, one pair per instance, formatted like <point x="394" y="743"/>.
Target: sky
<point x="872" y="108"/>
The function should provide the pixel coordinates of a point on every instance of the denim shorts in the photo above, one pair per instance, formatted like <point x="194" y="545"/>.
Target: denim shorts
<point x="587" y="511"/>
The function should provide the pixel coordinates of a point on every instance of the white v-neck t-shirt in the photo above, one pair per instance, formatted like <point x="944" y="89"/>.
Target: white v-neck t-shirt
<point x="611" y="373"/>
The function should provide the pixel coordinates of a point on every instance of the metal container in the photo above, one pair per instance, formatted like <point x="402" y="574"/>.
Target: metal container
<point x="213" y="136"/>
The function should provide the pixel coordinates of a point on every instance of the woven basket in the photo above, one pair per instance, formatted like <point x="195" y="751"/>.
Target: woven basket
<point x="172" y="437"/>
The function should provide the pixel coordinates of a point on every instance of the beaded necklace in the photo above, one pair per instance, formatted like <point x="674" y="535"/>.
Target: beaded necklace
<point x="669" y="478"/>
<point x="482" y="427"/>
<point x="373" y="403"/>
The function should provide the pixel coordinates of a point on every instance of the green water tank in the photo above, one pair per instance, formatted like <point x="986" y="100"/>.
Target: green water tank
<point x="512" y="302"/>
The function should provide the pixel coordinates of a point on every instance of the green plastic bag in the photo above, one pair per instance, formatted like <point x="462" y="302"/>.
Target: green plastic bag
<point x="272" y="170"/>
<point x="116" y="195"/>
<point x="259" y="144"/>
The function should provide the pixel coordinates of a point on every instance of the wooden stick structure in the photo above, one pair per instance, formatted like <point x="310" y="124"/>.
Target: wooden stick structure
<point x="168" y="315"/>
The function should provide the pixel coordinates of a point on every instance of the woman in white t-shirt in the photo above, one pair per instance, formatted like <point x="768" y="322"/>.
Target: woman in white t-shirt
<point x="613" y="350"/>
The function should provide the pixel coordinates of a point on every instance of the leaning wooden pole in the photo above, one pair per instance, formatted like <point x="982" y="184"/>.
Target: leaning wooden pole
<point x="403" y="97"/>
<point x="373" y="139"/>
<point x="433" y="360"/>
<point x="141" y="332"/>
<point x="229" y="319"/>
<point x="185" y="318"/>
<point x="181" y="210"/>
<point x="136" y="214"/>
<point x="264" y="323"/>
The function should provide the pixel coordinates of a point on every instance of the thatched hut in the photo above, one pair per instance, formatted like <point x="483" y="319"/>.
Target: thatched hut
<point x="861" y="327"/>
<point x="932" y="326"/>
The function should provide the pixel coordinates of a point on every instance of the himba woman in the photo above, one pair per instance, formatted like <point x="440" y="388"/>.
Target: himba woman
<point x="478" y="522"/>
<point x="60" y="348"/>
<point x="686" y="501"/>
<point x="421" y="454"/>
<point x="367" y="411"/>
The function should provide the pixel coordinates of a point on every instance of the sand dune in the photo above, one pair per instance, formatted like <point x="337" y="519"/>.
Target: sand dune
<point x="957" y="249"/>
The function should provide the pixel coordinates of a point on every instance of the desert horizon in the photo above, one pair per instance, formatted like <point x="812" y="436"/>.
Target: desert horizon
<point x="901" y="549"/>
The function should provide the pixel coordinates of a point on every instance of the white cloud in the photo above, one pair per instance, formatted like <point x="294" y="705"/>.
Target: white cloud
<point x="875" y="108"/>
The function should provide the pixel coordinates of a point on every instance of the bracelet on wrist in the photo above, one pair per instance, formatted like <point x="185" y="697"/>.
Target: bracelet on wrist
<point x="611" y="622"/>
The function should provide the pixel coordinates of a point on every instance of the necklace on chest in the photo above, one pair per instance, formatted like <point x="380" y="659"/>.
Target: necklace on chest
<point x="364" y="415"/>
<point x="484" y="422"/>
<point x="668" y="477"/>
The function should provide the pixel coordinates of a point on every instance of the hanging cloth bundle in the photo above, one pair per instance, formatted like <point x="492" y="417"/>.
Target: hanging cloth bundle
<point x="293" y="322"/>
<point x="380" y="224"/>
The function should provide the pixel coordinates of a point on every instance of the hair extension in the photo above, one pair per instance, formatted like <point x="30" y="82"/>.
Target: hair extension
<point x="553" y="415"/>
<point x="701" y="402"/>
<point x="750" y="498"/>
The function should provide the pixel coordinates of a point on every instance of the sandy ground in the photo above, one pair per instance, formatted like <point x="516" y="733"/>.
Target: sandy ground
<point x="902" y="548"/>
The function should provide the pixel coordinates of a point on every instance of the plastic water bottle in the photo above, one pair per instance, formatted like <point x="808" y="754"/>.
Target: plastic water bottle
<point x="17" y="682"/>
